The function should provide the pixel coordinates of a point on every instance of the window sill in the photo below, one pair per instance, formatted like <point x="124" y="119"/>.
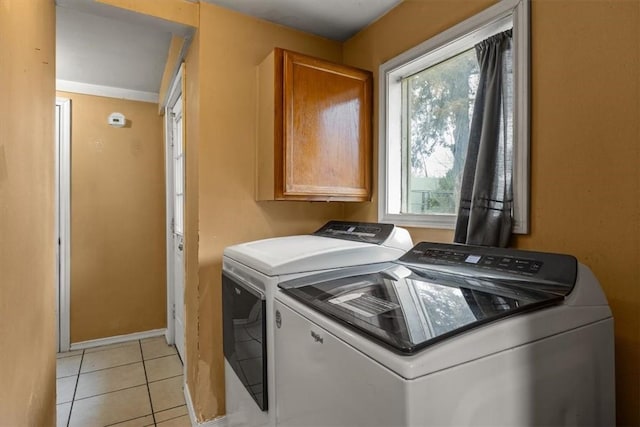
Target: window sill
<point x="444" y="222"/>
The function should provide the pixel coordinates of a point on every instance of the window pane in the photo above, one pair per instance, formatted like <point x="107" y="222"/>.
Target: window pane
<point x="439" y="105"/>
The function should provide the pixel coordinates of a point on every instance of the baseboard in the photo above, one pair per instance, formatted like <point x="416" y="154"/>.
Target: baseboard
<point x="117" y="339"/>
<point x="218" y="422"/>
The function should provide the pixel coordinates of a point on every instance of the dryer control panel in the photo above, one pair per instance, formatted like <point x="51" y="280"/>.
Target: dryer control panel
<point x="367" y="232"/>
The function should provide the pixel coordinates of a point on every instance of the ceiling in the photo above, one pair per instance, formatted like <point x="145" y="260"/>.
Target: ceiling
<point x="103" y="45"/>
<point x="102" y="51"/>
<point x="333" y="19"/>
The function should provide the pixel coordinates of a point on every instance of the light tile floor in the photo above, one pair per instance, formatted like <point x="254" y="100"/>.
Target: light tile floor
<point x="132" y="384"/>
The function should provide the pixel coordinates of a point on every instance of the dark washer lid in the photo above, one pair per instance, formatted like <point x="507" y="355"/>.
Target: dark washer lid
<point x="408" y="307"/>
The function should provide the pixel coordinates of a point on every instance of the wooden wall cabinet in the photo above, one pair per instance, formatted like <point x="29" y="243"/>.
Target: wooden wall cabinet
<point x="314" y="130"/>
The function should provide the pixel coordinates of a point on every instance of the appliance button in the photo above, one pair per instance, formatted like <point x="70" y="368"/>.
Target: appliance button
<point x="535" y="266"/>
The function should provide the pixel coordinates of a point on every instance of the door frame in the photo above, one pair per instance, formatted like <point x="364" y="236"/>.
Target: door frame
<point x="175" y="91"/>
<point x="63" y="223"/>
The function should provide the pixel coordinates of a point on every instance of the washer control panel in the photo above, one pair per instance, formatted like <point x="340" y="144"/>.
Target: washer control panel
<point x="501" y="263"/>
<point x="540" y="266"/>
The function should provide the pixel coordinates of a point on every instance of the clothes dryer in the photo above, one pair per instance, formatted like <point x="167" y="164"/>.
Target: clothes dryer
<point x="250" y="274"/>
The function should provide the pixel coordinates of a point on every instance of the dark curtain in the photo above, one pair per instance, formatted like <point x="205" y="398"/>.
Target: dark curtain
<point x="486" y="195"/>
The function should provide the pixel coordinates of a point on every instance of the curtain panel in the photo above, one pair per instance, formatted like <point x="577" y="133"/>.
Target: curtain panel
<point x="486" y="195"/>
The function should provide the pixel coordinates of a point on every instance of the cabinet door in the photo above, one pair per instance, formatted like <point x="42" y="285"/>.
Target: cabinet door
<point x="326" y="131"/>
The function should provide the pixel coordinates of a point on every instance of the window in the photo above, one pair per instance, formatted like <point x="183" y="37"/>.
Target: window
<point x="426" y="105"/>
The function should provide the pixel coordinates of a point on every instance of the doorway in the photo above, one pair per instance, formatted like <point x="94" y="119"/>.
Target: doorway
<point x="174" y="153"/>
<point x="63" y="222"/>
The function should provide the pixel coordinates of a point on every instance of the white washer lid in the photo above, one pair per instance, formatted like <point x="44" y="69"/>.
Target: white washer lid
<point x="299" y="254"/>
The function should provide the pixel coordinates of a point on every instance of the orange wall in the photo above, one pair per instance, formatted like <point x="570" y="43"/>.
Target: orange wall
<point x="27" y="253"/>
<point x="585" y="144"/>
<point x="229" y="47"/>
<point x="118" y="280"/>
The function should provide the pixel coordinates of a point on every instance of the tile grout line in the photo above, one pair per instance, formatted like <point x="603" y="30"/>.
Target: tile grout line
<point x="146" y="378"/>
<point x="130" y="419"/>
<point x="166" y="355"/>
<point x="66" y="376"/>
<point x="66" y="356"/>
<point x="174" y="418"/>
<point x="110" y="367"/>
<point x="173" y="407"/>
<point x="75" y="389"/>
<point x="112" y="391"/>
<point x="162" y="379"/>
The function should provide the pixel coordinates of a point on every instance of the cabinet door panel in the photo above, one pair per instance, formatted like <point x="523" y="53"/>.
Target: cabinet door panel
<point x="327" y="141"/>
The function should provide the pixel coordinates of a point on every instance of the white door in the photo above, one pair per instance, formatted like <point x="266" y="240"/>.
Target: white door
<point x="177" y="233"/>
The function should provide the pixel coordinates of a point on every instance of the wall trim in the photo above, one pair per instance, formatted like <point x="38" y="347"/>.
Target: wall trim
<point x="63" y="223"/>
<point x="176" y="73"/>
<point x="117" y="339"/>
<point x="107" y="91"/>
<point x="217" y="422"/>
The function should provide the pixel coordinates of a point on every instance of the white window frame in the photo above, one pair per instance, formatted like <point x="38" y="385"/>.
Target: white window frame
<point x="442" y="46"/>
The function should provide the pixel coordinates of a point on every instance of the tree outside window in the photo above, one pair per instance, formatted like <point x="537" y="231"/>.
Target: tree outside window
<point x="439" y="102"/>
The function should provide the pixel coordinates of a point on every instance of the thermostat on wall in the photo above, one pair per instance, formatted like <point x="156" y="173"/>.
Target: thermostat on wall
<point x="117" y="120"/>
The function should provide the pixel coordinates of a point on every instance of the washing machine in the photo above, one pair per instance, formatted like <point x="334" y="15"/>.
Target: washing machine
<point x="250" y="274"/>
<point x="448" y="335"/>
